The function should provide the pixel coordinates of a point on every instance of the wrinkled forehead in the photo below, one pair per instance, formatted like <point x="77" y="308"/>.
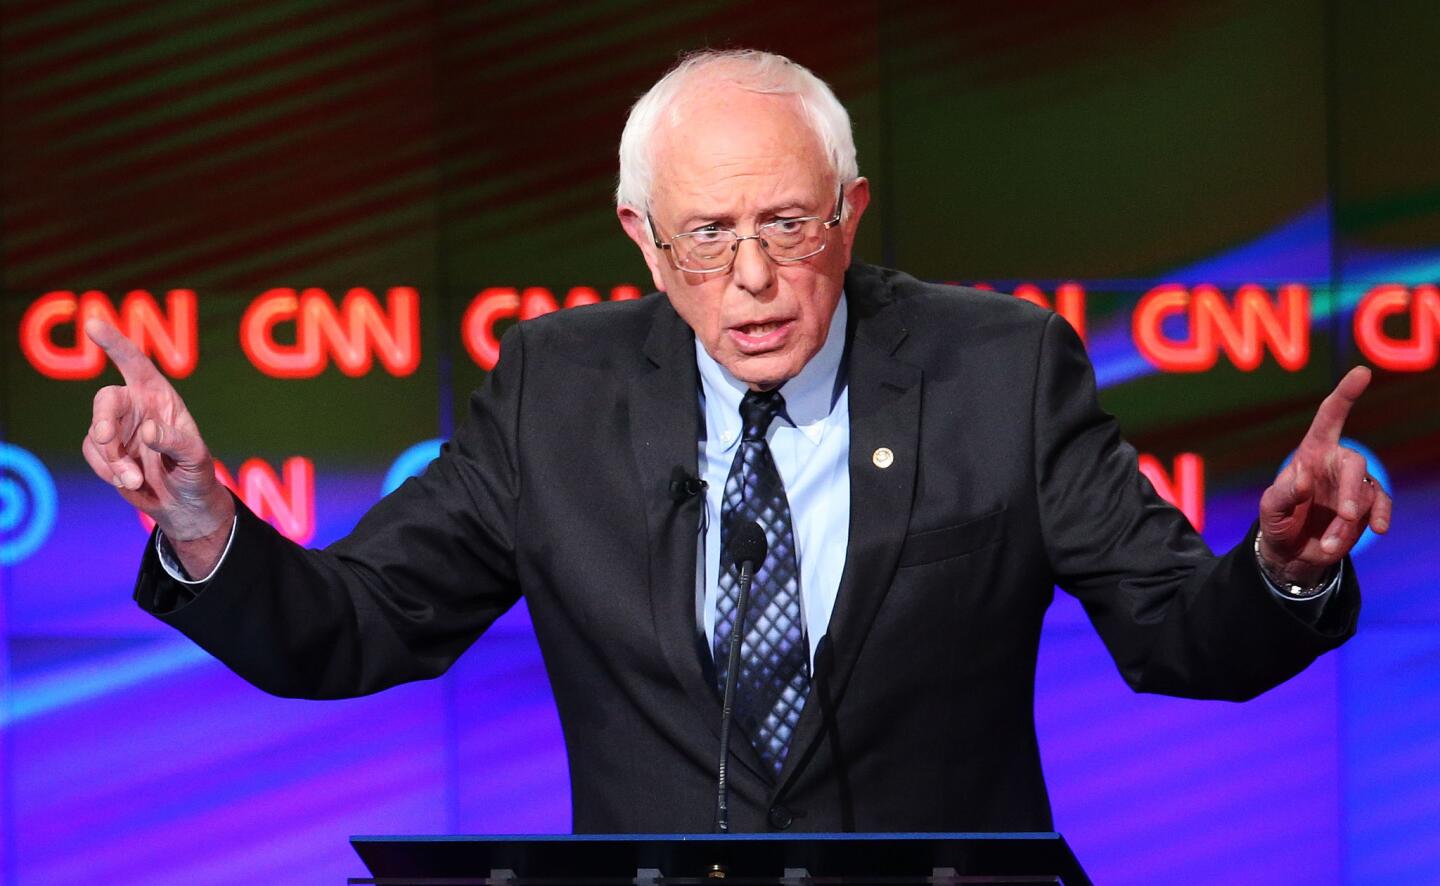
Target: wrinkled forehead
<point x="717" y="137"/>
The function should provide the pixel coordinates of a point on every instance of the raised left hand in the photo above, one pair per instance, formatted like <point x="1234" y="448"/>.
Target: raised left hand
<point x="1317" y="508"/>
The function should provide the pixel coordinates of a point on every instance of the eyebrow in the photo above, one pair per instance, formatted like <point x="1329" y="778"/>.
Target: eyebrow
<point x="697" y="219"/>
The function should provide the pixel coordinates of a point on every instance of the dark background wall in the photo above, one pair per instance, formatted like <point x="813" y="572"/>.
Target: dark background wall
<point x="466" y="151"/>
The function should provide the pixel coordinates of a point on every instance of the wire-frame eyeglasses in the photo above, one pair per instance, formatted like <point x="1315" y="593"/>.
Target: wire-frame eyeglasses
<point x="713" y="250"/>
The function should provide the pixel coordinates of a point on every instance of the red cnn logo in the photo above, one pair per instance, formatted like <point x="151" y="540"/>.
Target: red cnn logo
<point x="1184" y="488"/>
<point x="167" y="336"/>
<point x="498" y="303"/>
<point x="1415" y="354"/>
<point x="353" y="334"/>
<point x="286" y="502"/>
<point x="1254" y="324"/>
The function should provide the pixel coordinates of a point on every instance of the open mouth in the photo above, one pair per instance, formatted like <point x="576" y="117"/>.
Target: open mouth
<point x="753" y="338"/>
<point x="760" y="329"/>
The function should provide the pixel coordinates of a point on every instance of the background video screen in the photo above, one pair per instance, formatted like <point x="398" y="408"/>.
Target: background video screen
<point x="319" y="217"/>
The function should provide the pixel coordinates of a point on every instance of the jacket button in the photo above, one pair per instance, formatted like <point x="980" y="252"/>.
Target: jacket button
<point x="780" y="818"/>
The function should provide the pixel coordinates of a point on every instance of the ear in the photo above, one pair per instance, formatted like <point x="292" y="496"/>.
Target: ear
<point x="636" y="228"/>
<point x="856" y="200"/>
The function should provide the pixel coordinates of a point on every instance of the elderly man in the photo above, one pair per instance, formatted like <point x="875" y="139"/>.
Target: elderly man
<point x="926" y="464"/>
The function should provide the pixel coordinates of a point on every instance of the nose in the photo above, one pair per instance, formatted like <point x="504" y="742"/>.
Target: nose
<point x="753" y="272"/>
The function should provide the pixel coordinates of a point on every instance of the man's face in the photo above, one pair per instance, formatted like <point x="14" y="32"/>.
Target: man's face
<point x="737" y="159"/>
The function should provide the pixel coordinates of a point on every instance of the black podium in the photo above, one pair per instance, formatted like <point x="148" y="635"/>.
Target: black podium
<point x="657" y="859"/>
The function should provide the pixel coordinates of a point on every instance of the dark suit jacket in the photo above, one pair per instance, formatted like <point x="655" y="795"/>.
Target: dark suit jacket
<point x="1007" y="479"/>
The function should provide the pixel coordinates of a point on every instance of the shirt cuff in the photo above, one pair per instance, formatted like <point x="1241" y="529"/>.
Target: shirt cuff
<point x="176" y="569"/>
<point x="1309" y="608"/>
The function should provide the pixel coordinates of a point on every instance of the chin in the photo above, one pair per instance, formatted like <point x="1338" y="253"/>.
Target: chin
<point x="763" y="372"/>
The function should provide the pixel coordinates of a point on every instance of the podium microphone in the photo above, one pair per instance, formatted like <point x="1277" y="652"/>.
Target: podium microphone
<point x="747" y="551"/>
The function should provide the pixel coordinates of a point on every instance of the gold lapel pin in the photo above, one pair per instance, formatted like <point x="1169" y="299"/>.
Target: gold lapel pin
<point x="883" y="458"/>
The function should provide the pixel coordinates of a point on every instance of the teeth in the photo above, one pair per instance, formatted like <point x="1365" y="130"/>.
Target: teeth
<point x="761" y="328"/>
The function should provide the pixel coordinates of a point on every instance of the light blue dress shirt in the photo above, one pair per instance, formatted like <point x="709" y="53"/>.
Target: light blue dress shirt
<point x="810" y="443"/>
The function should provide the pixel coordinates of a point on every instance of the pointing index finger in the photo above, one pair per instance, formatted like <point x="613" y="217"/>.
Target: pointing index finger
<point x="1329" y="421"/>
<point x="133" y="365"/>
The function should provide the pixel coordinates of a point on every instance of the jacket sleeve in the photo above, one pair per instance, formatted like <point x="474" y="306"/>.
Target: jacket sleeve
<point x="1176" y="619"/>
<point x="422" y="575"/>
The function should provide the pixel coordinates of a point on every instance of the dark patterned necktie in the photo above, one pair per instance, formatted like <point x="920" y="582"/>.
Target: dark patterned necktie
<point x="774" y="677"/>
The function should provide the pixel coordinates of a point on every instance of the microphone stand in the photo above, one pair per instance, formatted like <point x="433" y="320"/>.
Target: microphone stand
<point x="748" y="547"/>
<point x="727" y="707"/>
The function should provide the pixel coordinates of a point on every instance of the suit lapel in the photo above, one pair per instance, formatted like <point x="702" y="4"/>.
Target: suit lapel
<point x="884" y="414"/>
<point x="664" y="449"/>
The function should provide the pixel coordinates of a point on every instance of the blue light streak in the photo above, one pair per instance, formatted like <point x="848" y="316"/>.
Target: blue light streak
<point x="96" y="676"/>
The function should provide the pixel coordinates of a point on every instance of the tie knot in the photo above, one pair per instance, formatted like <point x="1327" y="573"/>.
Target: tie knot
<point x="757" y="410"/>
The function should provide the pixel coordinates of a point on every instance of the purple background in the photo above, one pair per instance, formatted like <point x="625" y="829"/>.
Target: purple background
<point x="454" y="146"/>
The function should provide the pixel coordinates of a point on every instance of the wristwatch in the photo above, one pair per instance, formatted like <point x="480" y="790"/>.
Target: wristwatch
<point x="1289" y="588"/>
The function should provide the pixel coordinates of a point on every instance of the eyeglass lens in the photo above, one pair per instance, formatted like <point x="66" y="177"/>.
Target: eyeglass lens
<point x="784" y="240"/>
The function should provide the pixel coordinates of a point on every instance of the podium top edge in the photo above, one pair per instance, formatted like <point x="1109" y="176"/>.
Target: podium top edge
<point x="926" y="836"/>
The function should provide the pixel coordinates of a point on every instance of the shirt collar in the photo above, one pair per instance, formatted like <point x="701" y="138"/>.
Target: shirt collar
<point x="809" y="396"/>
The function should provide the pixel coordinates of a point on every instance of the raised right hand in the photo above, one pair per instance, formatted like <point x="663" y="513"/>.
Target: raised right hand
<point x="143" y="441"/>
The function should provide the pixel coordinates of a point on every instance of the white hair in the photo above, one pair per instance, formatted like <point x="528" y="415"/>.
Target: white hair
<point x="749" y="69"/>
